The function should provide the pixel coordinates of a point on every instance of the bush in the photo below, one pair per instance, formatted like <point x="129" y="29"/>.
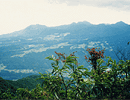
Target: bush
<point x="100" y="82"/>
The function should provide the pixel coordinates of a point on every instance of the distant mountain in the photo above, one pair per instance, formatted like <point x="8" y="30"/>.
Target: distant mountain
<point x="121" y="23"/>
<point x="74" y="25"/>
<point x="31" y="30"/>
<point x="22" y="53"/>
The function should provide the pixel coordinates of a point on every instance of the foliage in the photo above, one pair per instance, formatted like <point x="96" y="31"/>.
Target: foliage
<point x="102" y="82"/>
<point x="29" y="82"/>
<point x="107" y="84"/>
<point x="6" y="89"/>
<point x="14" y="89"/>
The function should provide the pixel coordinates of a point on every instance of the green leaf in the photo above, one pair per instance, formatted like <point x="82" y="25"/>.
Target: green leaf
<point x="108" y="57"/>
<point x="114" y="62"/>
<point x="40" y="73"/>
<point x="56" y="68"/>
<point x="50" y="58"/>
<point x="80" y="67"/>
<point x="100" y="61"/>
<point x="71" y="57"/>
<point x="66" y="67"/>
<point x="110" y="60"/>
<point x="53" y="71"/>
<point x="65" y="70"/>
<point x="75" y="62"/>
<point x="57" y="62"/>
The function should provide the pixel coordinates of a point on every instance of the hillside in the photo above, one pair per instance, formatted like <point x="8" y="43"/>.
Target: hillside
<point x="29" y="83"/>
<point x="23" y="53"/>
<point x="5" y="85"/>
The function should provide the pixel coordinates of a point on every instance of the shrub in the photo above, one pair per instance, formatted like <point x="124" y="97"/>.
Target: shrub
<point x="100" y="83"/>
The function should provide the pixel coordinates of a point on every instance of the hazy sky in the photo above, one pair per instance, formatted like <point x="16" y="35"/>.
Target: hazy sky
<point x="18" y="14"/>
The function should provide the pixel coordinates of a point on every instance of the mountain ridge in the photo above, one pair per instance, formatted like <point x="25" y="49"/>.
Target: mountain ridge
<point x="24" y="53"/>
<point x="38" y="26"/>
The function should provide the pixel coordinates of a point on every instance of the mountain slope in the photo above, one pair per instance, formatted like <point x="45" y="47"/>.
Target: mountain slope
<point x="29" y="82"/>
<point x="5" y="85"/>
<point x="23" y="53"/>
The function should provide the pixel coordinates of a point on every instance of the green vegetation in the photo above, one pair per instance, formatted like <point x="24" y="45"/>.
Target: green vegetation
<point x="99" y="83"/>
<point x="28" y="82"/>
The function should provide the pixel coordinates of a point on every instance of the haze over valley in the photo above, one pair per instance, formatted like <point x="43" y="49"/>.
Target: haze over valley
<point x="23" y="52"/>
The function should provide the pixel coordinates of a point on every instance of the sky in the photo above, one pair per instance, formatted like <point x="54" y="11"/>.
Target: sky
<point x="16" y="15"/>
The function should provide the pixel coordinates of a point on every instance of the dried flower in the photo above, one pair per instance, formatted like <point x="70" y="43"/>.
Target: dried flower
<point x="57" y="59"/>
<point x="63" y="60"/>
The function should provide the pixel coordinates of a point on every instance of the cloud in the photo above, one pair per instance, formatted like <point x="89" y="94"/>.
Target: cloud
<point x="18" y="14"/>
<point x="21" y="71"/>
<point x="29" y="39"/>
<point x="56" y="36"/>
<point x="78" y="46"/>
<point x="118" y="4"/>
<point x="65" y="34"/>
<point x="2" y="67"/>
<point x="92" y="44"/>
<point x="41" y="49"/>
